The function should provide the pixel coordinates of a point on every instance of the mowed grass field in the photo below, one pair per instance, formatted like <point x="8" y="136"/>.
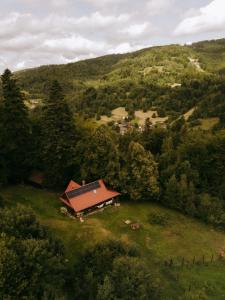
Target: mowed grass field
<point x="181" y="238"/>
<point x="120" y="113"/>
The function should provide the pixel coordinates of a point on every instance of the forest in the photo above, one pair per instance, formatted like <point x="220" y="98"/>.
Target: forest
<point x="179" y="166"/>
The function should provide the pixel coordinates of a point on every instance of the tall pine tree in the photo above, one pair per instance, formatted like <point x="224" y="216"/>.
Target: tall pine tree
<point x="15" y="132"/>
<point x="57" y="139"/>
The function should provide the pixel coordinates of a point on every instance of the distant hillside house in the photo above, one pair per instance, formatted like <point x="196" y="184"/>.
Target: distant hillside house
<point x="88" y="197"/>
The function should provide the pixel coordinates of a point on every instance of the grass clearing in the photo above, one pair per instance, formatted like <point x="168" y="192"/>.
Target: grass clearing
<point x="209" y="123"/>
<point x="118" y="114"/>
<point x="181" y="237"/>
<point x="141" y="116"/>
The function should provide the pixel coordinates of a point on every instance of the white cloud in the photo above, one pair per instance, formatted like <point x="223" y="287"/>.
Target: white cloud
<point x="103" y="3"/>
<point x="53" y="3"/>
<point x="136" y="29"/>
<point x="209" y="18"/>
<point x="28" y="41"/>
<point x="156" y="7"/>
<point x="59" y="3"/>
<point x="125" y="48"/>
<point x="98" y="20"/>
<point x="74" y="44"/>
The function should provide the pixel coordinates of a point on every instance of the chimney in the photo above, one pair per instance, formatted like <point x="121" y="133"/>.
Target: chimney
<point x="83" y="182"/>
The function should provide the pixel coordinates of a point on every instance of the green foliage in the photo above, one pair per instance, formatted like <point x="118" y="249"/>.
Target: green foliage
<point x="139" y="174"/>
<point x="193" y="170"/>
<point x="57" y="139"/>
<point x="98" y="156"/>
<point x="113" y="270"/>
<point x="129" y="279"/>
<point x="14" y="133"/>
<point x="153" y="138"/>
<point x="31" y="261"/>
<point x="21" y="223"/>
<point x="95" y="264"/>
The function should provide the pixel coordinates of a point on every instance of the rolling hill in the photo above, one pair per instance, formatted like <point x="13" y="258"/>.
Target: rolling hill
<point x="172" y="78"/>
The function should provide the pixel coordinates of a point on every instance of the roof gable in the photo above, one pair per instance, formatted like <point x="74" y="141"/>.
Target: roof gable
<point x="72" y="186"/>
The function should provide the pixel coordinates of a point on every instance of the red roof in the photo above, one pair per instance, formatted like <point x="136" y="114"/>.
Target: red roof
<point x="72" y="186"/>
<point x="82" y="197"/>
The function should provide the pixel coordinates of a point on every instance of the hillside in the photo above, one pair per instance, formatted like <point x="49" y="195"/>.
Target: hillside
<point x="172" y="79"/>
<point x="172" y="62"/>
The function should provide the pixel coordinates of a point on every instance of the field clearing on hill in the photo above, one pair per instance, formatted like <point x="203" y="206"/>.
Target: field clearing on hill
<point x="120" y="113"/>
<point x="141" y="116"/>
<point x="181" y="237"/>
<point x="207" y="124"/>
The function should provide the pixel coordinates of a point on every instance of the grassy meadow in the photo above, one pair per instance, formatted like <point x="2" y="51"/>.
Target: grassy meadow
<point x="180" y="238"/>
<point x="120" y="113"/>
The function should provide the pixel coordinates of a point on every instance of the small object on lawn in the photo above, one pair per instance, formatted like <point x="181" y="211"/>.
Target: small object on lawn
<point x="81" y="220"/>
<point x="63" y="211"/>
<point x="117" y="204"/>
<point x="135" y="226"/>
<point x="128" y="222"/>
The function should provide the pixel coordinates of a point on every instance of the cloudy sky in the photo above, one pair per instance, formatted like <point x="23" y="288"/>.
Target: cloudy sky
<point x="36" y="32"/>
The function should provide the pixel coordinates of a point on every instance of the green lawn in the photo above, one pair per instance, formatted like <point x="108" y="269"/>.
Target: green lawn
<point x="181" y="238"/>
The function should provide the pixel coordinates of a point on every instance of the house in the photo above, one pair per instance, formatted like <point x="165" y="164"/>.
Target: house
<point x="88" y="197"/>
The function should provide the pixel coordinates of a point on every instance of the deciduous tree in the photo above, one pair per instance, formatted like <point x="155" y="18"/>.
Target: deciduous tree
<point x="139" y="175"/>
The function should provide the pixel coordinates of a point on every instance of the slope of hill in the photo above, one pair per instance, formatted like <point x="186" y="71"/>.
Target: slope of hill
<point x="172" y="78"/>
<point x="170" y="61"/>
